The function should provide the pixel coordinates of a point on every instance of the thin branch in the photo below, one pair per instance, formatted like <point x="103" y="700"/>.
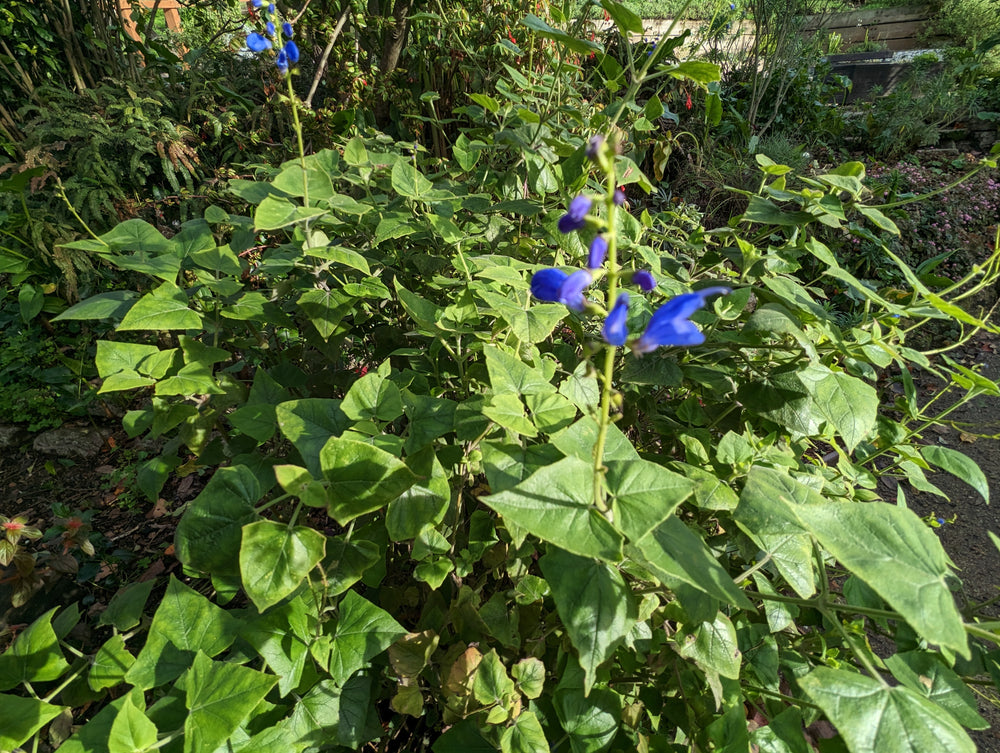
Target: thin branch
<point x="149" y="25"/>
<point x="299" y="14"/>
<point x="321" y="68"/>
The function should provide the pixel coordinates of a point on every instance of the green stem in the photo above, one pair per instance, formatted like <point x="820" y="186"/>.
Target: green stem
<point x="548" y="102"/>
<point x="935" y="192"/>
<point x="61" y="190"/>
<point x="297" y="125"/>
<point x="974" y="607"/>
<point x="751" y="570"/>
<point x="978" y="632"/>
<point x="641" y="77"/>
<point x="295" y="515"/>
<point x="812" y="603"/>
<point x="70" y="678"/>
<point x="272" y="503"/>
<point x="610" y="351"/>
<point x="164" y="741"/>
<point x="781" y="696"/>
<point x="928" y="422"/>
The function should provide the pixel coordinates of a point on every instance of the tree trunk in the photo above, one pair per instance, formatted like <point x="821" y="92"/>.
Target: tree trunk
<point x="392" y="48"/>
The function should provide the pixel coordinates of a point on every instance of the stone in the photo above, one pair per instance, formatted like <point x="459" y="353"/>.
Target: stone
<point x="11" y="436"/>
<point x="76" y="442"/>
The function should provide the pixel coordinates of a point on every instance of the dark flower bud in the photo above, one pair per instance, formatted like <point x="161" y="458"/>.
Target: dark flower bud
<point x="598" y="250"/>
<point x="615" y="331"/>
<point x="576" y="217"/>
<point x="594" y="147"/>
<point x="644" y="279"/>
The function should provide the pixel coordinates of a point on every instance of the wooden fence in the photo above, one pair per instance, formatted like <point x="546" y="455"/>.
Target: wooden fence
<point x="894" y="28"/>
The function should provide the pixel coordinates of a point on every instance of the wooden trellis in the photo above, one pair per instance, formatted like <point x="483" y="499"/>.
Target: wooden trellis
<point x="170" y="8"/>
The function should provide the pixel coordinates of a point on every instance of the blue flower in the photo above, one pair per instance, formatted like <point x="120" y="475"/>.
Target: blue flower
<point x="291" y="51"/>
<point x="282" y="62"/>
<point x="546" y="284"/>
<point x="619" y="197"/>
<point x="644" y="279"/>
<point x="286" y="29"/>
<point x="576" y="217"/>
<point x="557" y="286"/>
<point x="594" y="147"/>
<point x="598" y="250"/>
<point x="257" y="3"/>
<point x="270" y="8"/>
<point x="269" y="27"/>
<point x="258" y="42"/>
<point x="615" y="332"/>
<point x="571" y="292"/>
<point x="671" y="324"/>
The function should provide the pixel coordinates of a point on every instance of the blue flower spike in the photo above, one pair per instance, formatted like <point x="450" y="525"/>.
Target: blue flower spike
<point x="598" y="250"/>
<point x="546" y="284"/>
<point x="671" y="323"/>
<point x="571" y="293"/>
<point x="615" y="331"/>
<point x="644" y="279"/>
<point x="258" y="42"/>
<point x="576" y="217"/>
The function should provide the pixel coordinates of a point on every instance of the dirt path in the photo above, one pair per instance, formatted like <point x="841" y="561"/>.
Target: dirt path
<point x="967" y="539"/>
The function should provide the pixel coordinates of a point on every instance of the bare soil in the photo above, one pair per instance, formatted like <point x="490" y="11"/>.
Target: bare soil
<point x="975" y="432"/>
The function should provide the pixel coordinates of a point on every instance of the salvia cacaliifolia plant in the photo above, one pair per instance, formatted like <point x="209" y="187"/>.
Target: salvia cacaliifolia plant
<point x="459" y="500"/>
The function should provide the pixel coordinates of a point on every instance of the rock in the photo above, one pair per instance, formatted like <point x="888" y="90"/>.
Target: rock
<point x="104" y="409"/>
<point x="11" y="436"/>
<point x="77" y="442"/>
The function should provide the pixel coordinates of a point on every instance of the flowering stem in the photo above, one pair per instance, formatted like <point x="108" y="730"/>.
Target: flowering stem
<point x="298" y="135"/>
<point x="607" y="380"/>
